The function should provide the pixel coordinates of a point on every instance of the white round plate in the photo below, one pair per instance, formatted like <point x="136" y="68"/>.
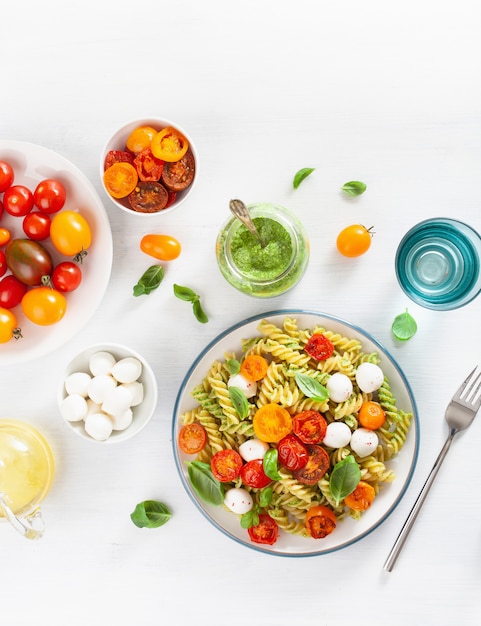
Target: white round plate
<point x="32" y="164"/>
<point x="348" y="530"/>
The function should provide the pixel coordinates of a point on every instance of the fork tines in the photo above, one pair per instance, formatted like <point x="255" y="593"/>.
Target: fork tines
<point x="471" y="388"/>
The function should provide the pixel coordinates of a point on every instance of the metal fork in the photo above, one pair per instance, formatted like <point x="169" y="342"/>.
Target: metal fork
<point x="460" y="413"/>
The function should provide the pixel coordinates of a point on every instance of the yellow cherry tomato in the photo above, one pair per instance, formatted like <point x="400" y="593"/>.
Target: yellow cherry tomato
<point x="70" y="233"/>
<point x="8" y="326"/>
<point x="140" y="138"/>
<point x="162" y="247"/>
<point x="169" y="145"/>
<point x="5" y="236"/>
<point x="44" y="306"/>
<point x="120" y="179"/>
<point x="272" y="423"/>
<point x="354" y="240"/>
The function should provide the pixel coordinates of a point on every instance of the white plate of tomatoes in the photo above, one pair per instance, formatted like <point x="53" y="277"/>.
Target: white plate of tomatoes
<point x="348" y="530"/>
<point x="52" y="224"/>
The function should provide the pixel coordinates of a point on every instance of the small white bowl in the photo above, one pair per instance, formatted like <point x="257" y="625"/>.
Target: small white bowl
<point x="117" y="142"/>
<point x="142" y="413"/>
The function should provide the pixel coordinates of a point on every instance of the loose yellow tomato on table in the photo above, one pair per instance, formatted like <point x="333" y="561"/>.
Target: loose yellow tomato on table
<point x="8" y="326"/>
<point x="162" y="247"/>
<point x="354" y="240"/>
<point x="44" y="306"/>
<point x="70" y="233"/>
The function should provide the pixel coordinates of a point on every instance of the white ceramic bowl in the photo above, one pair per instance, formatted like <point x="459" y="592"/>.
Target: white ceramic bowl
<point x="117" y="142"/>
<point x="142" y="413"/>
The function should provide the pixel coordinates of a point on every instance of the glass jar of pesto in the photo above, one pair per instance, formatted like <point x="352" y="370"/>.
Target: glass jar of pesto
<point x="268" y="270"/>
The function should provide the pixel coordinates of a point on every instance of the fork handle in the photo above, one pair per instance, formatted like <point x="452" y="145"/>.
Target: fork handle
<point x="411" y="518"/>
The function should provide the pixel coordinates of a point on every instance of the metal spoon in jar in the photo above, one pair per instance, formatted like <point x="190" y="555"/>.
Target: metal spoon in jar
<point x="239" y="210"/>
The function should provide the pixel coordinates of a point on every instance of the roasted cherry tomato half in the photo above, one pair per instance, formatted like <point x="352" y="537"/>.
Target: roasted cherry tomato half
<point x="28" y="261"/>
<point x="70" y="233"/>
<point x="271" y="423"/>
<point x="354" y="240"/>
<point x="319" y="347"/>
<point x="66" y="276"/>
<point x="49" y="196"/>
<point x="226" y="465"/>
<point x="8" y="326"/>
<point x="118" y="156"/>
<point x="315" y="468"/>
<point x="5" y="236"/>
<point x="192" y="438"/>
<point x="361" y="498"/>
<point x="266" y="531"/>
<point x="7" y="176"/>
<point x="162" y="247"/>
<point x="148" y="197"/>
<point x="11" y="291"/>
<point x="36" y="225"/>
<point x="310" y="426"/>
<point x="253" y="475"/>
<point x="320" y="521"/>
<point x="120" y="179"/>
<point x="18" y="200"/>
<point x="140" y="138"/>
<point x="254" y="367"/>
<point x="179" y="175"/>
<point x="292" y="453"/>
<point x="149" y="168"/>
<point x="44" y="306"/>
<point x="169" y="144"/>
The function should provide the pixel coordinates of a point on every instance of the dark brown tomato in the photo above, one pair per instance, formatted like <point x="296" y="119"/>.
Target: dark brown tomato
<point x="118" y="156"/>
<point x="178" y="175"/>
<point x="148" y="197"/>
<point x="315" y="468"/>
<point x="28" y="261"/>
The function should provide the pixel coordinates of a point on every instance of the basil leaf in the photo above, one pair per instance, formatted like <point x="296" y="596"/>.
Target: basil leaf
<point x="184" y="293"/>
<point x="150" y="514"/>
<point x="404" y="326"/>
<point x="265" y="496"/>
<point x="233" y="366"/>
<point x="301" y="175"/>
<point x="251" y="518"/>
<point x="344" y="478"/>
<point x="311" y="388"/>
<point x="204" y="483"/>
<point x="269" y="464"/>
<point x="198" y="312"/>
<point x="149" y="280"/>
<point x="354" y="188"/>
<point x="239" y="401"/>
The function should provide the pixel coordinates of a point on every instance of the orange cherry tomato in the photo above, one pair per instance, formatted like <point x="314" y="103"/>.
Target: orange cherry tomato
<point x="271" y="423"/>
<point x="140" y="138"/>
<point x="371" y="415"/>
<point x="192" y="438"/>
<point x="162" y="247"/>
<point x="5" y="236"/>
<point x="120" y="179"/>
<point x="169" y="145"/>
<point x="361" y="498"/>
<point x="8" y="326"/>
<point x="70" y="233"/>
<point x="320" y="521"/>
<point x="354" y="240"/>
<point x="226" y="465"/>
<point x="254" y="367"/>
<point x="44" y="306"/>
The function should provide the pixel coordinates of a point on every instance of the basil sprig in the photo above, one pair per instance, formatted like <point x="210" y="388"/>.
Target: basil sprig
<point x="239" y="400"/>
<point x="269" y="464"/>
<point x="149" y="280"/>
<point x="311" y="388"/>
<point x="404" y="326"/>
<point x="354" y="188"/>
<point x="233" y="366"/>
<point x="344" y="478"/>
<point x="301" y="175"/>
<point x="185" y="293"/>
<point x="150" y="514"/>
<point x="204" y="483"/>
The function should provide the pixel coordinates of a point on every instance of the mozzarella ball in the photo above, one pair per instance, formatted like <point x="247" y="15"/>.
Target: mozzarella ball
<point x="122" y="420"/>
<point x="136" y="390"/>
<point x="117" y="401"/>
<point x="92" y="407"/>
<point x="101" y="363"/>
<point x="253" y="449"/>
<point x="78" y="382"/>
<point x="249" y="387"/>
<point x="127" y="370"/>
<point x="100" y="386"/>
<point x="98" y="426"/>
<point x="238" y="500"/>
<point x="369" y="377"/>
<point x="338" y="435"/>
<point x="364" y="442"/>
<point x="73" y="407"/>
<point x="339" y="387"/>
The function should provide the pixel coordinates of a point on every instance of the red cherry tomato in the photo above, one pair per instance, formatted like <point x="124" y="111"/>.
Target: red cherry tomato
<point x="3" y="263"/>
<point x="226" y="465"/>
<point x="36" y="225"/>
<point x="66" y="276"/>
<point x="49" y="195"/>
<point x="11" y="291"/>
<point x="319" y="347"/>
<point x="266" y="531"/>
<point x="310" y="426"/>
<point x="253" y="475"/>
<point x="118" y="156"/>
<point x="292" y="453"/>
<point x="6" y="176"/>
<point x="148" y="167"/>
<point x="317" y="465"/>
<point x="18" y="200"/>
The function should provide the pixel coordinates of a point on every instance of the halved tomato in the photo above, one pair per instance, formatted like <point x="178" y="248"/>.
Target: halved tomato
<point x="226" y="465"/>
<point x="148" y="197"/>
<point x="169" y="144"/>
<point x="179" y="175"/>
<point x="315" y="468"/>
<point x="266" y="531"/>
<point x="310" y="426"/>
<point x="149" y="168"/>
<point x="120" y="179"/>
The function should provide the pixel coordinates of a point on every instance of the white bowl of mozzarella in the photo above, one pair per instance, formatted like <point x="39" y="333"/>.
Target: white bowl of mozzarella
<point x="108" y="393"/>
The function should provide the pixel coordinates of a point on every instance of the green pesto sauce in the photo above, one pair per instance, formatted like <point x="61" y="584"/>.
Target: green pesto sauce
<point x="255" y="261"/>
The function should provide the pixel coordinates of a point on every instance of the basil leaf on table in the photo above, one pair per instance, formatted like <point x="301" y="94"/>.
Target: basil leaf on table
<point x="404" y="326"/>
<point x="354" y="188"/>
<point x="150" y="514"/>
<point x="204" y="483"/>
<point x="239" y="400"/>
<point x="311" y="388"/>
<point x="301" y="175"/>
<point x="269" y="464"/>
<point x="149" y="280"/>
<point x="344" y="478"/>
<point x="187" y="294"/>
<point x="199" y="312"/>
